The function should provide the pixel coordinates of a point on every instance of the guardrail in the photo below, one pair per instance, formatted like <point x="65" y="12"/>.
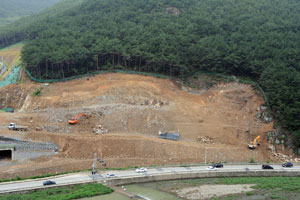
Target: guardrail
<point x="200" y="174"/>
<point x="168" y="175"/>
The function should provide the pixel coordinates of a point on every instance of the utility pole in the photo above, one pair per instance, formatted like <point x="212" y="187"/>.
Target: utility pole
<point x="94" y="165"/>
<point x="94" y="168"/>
<point x="205" y="156"/>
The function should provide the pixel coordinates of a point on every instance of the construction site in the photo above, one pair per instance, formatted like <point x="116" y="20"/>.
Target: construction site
<point x="119" y="117"/>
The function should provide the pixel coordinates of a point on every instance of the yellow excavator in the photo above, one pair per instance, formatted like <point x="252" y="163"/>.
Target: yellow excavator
<point x="255" y="143"/>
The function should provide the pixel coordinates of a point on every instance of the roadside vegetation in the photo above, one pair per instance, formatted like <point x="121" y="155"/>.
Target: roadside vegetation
<point x="265" y="187"/>
<point x="63" y="193"/>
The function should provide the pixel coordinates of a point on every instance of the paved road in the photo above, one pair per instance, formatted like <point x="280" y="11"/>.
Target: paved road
<point x="87" y="177"/>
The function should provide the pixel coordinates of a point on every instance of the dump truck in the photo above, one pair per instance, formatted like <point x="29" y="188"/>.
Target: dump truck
<point x="14" y="127"/>
<point x="254" y="143"/>
<point x="168" y="136"/>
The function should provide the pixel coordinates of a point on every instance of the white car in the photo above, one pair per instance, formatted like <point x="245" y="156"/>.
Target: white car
<point x="140" y="170"/>
<point x="111" y="176"/>
<point x="211" y="168"/>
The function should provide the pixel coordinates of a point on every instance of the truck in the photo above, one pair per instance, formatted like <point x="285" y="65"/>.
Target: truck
<point x="168" y="136"/>
<point x="14" y="127"/>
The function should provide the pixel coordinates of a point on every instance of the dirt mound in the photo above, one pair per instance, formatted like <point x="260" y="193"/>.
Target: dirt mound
<point x="220" y="121"/>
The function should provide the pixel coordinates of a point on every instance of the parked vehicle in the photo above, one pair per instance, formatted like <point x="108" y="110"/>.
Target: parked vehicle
<point x="13" y="126"/>
<point x="49" y="182"/>
<point x="287" y="164"/>
<point x="111" y="176"/>
<point x="211" y="168"/>
<point x="140" y="170"/>
<point x="267" y="167"/>
<point x="218" y="165"/>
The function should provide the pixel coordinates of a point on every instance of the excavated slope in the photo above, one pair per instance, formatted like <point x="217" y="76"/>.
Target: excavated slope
<point x="131" y="110"/>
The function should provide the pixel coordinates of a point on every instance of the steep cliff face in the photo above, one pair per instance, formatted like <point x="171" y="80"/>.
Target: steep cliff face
<point x="13" y="96"/>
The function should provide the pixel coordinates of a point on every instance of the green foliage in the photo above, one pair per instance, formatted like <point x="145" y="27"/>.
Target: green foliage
<point x="251" y="160"/>
<point x="249" y="193"/>
<point x="266" y="183"/>
<point x="37" y="92"/>
<point x="73" y="192"/>
<point x="257" y="39"/>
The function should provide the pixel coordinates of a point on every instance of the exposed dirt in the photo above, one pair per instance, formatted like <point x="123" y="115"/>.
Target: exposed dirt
<point x="133" y="109"/>
<point x="209" y="191"/>
<point x="10" y="56"/>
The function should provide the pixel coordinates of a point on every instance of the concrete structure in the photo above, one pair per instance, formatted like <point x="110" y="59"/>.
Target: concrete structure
<point x="7" y="152"/>
<point x="191" y="175"/>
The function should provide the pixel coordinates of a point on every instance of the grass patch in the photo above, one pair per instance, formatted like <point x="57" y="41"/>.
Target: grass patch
<point x="66" y="193"/>
<point x="37" y="92"/>
<point x="251" y="160"/>
<point x="266" y="183"/>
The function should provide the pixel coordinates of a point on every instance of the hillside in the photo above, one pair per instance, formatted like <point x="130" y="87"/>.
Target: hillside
<point x="132" y="108"/>
<point x="258" y="40"/>
<point x="14" y="9"/>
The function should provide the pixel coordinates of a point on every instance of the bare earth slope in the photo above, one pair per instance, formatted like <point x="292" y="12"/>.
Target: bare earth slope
<point x="219" y="122"/>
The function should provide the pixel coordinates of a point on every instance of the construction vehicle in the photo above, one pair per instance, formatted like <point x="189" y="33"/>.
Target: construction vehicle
<point x="14" y="127"/>
<point x="168" y="136"/>
<point x="74" y="120"/>
<point x="254" y="143"/>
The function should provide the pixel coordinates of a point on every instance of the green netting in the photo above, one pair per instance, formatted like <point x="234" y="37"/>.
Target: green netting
<point x="9" y="109"/>
<point x="231" y="78"/>
<point x="92" y="74"/>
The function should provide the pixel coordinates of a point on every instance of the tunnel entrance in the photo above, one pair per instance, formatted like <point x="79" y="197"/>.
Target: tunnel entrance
<point x="5" y="155"/>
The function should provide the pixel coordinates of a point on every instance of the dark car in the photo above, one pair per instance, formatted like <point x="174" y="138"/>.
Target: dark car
<point x="287" y="164"/>
<point x="49" y="182"/>
<point x="218" y="165"/>
<point x="267" y="167"/>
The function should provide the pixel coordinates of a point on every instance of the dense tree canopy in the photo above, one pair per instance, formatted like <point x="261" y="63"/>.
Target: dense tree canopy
<point x="259" y="39"/>
<point x="11" y="10"/>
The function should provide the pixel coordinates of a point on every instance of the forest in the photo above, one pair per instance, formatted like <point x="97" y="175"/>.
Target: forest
<point x="11" y="10"/>
<point x="256" y="39"/>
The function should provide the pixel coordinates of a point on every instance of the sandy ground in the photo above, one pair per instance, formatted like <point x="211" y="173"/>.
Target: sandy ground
<point x="215" y="123"/>
<point x="209" y="191"/>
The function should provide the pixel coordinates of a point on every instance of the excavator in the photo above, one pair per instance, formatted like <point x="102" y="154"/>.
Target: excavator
<point x="74" y="120"/>
<point x="255" y="143"/>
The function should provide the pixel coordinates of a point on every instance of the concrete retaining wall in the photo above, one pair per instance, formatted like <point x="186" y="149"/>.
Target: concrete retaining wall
<point x="191" y="175"/>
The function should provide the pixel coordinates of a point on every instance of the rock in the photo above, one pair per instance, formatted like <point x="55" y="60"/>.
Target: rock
<point x="38" y="128"/>
<point x="271" y="147"/>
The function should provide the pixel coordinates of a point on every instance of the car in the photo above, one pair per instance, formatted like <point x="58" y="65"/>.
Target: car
<point x="267" y="167"/>
<point x="287" y="164"/>
<point x="211" y="168"/>
<point x="218" y="165"/>
<point x="48" y="182"/>
<point x="111" y="176"/>
<point x="140" y="170"/>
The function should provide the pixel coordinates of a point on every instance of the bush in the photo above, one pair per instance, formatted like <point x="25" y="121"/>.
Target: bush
<point x="37" y="92"/>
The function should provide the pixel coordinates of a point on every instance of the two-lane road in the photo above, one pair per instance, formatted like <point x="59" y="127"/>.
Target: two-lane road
<point x="85" y="177"/>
